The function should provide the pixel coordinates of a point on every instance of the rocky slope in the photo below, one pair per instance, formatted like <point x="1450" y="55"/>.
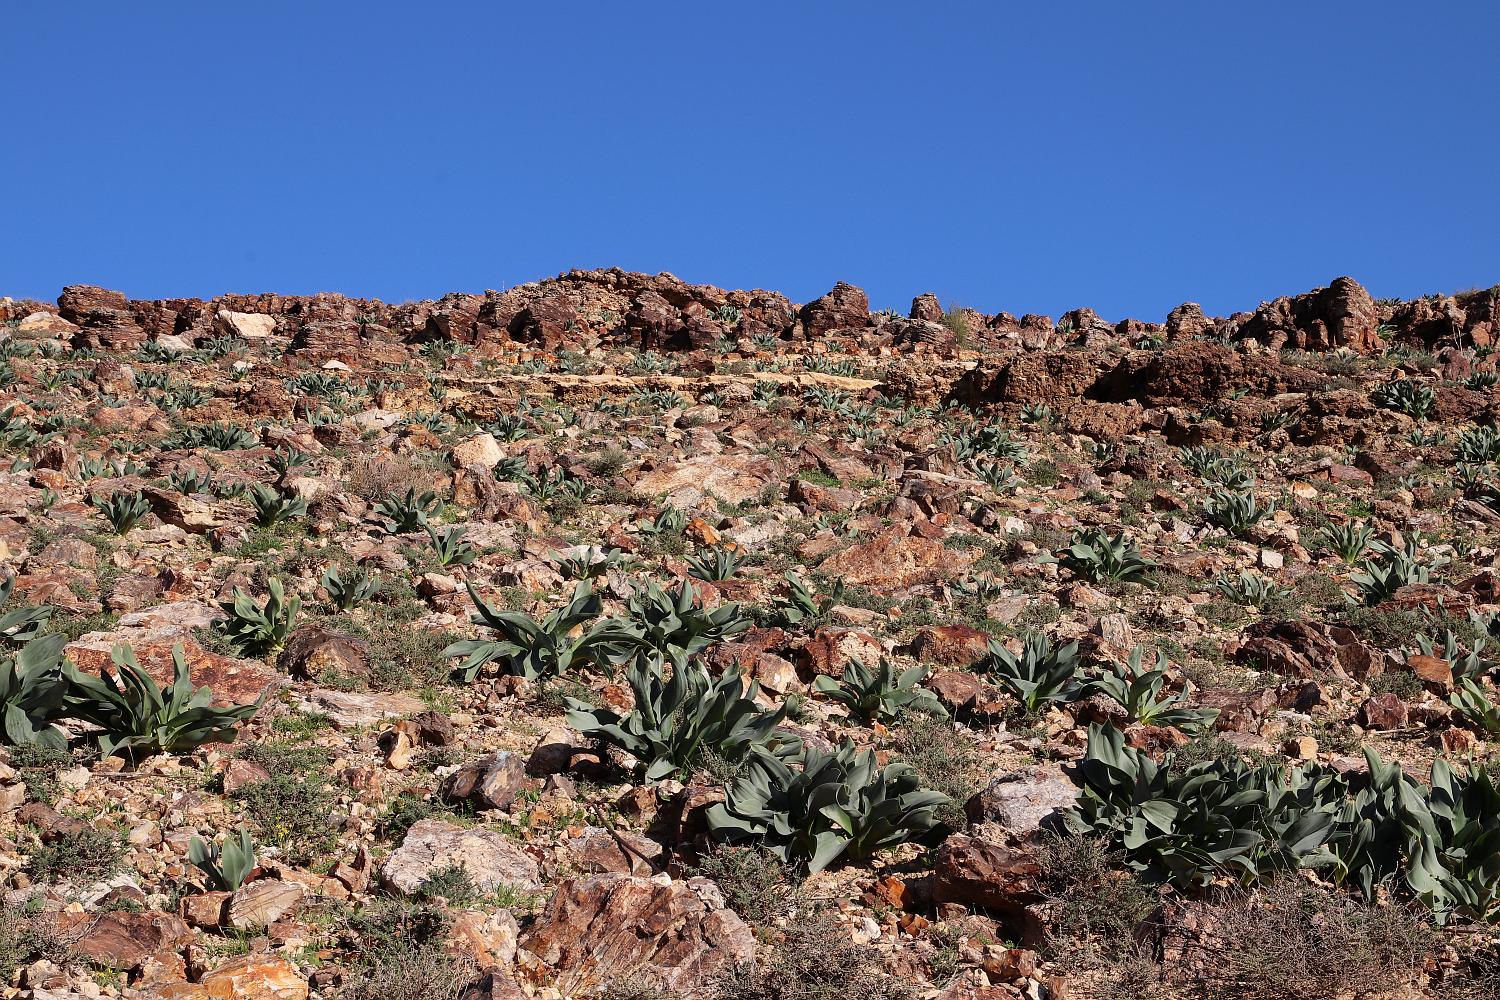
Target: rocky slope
<point x="611" y="636"/>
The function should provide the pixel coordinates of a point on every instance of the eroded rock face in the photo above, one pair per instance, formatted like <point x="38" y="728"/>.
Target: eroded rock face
<point x="601" y="928"/>
<point x="1341" y="315"/>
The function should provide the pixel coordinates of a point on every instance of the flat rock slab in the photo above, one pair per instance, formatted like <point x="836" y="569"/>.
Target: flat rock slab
<point x="491" y="859"/>
<point x="352" y="709"/>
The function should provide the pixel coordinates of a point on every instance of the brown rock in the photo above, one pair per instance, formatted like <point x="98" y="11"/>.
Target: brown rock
<point x="1433" y="671"/>
<point x="204" y="909"/>
<point x="249" y="977"/>
<point x="601" y="928"/>
<point x="1383" y="711"/>
<point x="950" y="645"/>
<point x="490" y="782"/>
<point x="314" y="652"/>
<point x="979" y="873"/>
<point x="124" y="940"/>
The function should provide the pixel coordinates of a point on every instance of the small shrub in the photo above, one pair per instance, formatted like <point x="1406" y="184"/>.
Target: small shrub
<point x="817" y="960"/>
<point x="757" y="885"/>
<point x="293" y="811"/>
<point x="1295" y="940"/>
<point x="398" y="969"/>
<point x="85" y="855"/>
<point x="1093" y="909"/>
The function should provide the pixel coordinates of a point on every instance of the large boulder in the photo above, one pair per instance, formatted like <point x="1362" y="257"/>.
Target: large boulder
<point x="844" y="309"/>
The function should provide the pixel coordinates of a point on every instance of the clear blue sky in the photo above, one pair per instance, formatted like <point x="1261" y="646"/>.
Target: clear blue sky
<point x="1027" y="157"/>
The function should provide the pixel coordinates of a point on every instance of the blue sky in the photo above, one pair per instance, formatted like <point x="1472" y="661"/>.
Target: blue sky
<point x="1028" y="157"/>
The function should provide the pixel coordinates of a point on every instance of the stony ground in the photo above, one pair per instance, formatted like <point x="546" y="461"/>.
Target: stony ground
<point x="895" y="526"/>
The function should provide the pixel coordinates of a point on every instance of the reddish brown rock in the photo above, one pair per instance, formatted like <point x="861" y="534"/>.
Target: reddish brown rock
<point x="894" y="559"/>
<point x="124" y="940"/>
<point x="844" y="309"/>
<point x="950" y="645"/>
<point x="249" y="977"/>
<point x="602" y="928"/>
<point x="981" y="874"/>
<point x="1383" y="711"/>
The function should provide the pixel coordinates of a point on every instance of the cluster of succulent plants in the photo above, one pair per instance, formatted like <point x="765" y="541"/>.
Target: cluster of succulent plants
<point x="1224" y="818"/>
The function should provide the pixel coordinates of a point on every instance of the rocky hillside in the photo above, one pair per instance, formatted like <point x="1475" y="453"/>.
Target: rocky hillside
<point x="614" y="637"/>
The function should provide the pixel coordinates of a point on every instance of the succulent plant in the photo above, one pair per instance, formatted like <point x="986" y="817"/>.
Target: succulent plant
<point x="226" y="866"/>
<point x="1379" y="578"/>
<point x="530" y="648"/>
<point x="818" y="807"/>
<point x="138" y="718"/>
<point x="1408" y="396"/>
<point x="347" y="593"/>
<point x="1477" y="446"/>
<point x="21" y="624"/>
<point x="399" y="515"/>
<point x="1250" y="589"/>
<point x="123" y="510"/>
<point x="33" y="690"/>
<point x="1040" y="676"/>
<point x="677" y="718"/>
<point x="715" y="565"/>
<point x="1138" y="689"/>
<point x="1348" y="541"/>
<point x="879" y="694"/>
<point x="1476" y="704"/>
<point x="191" y="482"/>
<point x="1236" y="511"/>
<point x="449" y="547"/>
<point x="221" y="437"/>
<point x="273" y="507"/>
<point x="1096" y="555"/>
<point x="253" y="629"/>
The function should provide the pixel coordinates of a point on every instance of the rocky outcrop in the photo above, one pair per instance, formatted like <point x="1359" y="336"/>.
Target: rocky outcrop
<point x="1341" y="315"/>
